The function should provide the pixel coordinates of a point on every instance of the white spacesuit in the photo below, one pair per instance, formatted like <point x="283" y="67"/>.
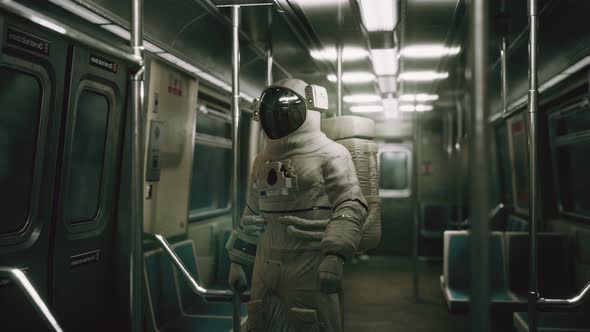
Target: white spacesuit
<point x="305" y="204"/>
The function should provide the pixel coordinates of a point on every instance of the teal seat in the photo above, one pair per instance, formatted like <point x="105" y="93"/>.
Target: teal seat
<point x="577" y="321"/>
<point x="190" y="303"/>
<point x="456" y="278"/>
<point x="172" y="305"/>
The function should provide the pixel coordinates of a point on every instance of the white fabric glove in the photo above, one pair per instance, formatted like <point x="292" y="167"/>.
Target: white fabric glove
<point x="330" y="274"/>
<point x="237" y="278"/>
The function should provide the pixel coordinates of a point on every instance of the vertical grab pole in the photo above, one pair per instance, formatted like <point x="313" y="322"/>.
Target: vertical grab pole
<point x="479" y="168"/>
<point x="339" y="50"/>
<point x="136" y="228"/>
<point x="235" y="106"/>
<point x="416" y="188"/>
<point x="269" y="54"/>
<point x="503" y="64"/>
<point x="533" y="162"/>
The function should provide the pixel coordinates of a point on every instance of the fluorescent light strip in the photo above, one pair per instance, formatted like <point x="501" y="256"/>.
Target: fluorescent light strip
<point x="47" y="24"/>
<point x="379" y="15"/>
<point x="180" y="63"/>
<point x="385" y="61"/>
<point x="364" y="98"/>
<point x="353" y="77"/>
<point x="418" y="97"/>
<point x="417" y="108"/>
<point x="366" y="109"/>
<point x="80" y="11"/>
<point x="422" y="76"/>
<point x="429" y="51"/>
<point x="117" y="30"/>
<point x="348" y="54"/>
<point x="387" y="84"/>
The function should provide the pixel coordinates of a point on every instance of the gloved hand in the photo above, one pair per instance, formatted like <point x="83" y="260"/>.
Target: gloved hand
<point x="330" y="274"/>
<point x="253" y="225"/>
<point x="237" y="278"/>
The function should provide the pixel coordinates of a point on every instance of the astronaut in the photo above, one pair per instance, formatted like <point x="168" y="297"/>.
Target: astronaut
<point x="303" y="219"/>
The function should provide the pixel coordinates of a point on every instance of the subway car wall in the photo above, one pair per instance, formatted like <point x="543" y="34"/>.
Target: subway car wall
<point x="83" y="249"/>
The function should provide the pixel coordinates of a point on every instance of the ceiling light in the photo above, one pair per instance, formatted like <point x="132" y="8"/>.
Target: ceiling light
<point x="48" y="24"/>
<point x="81" y="11"/>
<point x="151" y="47"/>
<point x="417" y="108"/>
<point x="366" y="109"/>
<point x="426" y="51"/>
<point x="422" y="76"/>
<point x="348" y="54"/>
<point x="418" y="97"/>
<point x="385" y="61"/>
<point x="387" y="84"/>
<point x="181" y="63"/>
<point x="117" y="30"/>
<point x="215" y="81"/>
<point x="361" y="98"/>
<point x="353" y="77"/>
<point x="379" y="15"/>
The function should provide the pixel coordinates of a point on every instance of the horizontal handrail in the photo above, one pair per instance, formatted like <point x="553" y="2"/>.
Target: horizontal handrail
<point x="33" y="296"/>
<point x="571" y="302"/>
<point x="57" y="26"/>
<point x="197" y="289"/>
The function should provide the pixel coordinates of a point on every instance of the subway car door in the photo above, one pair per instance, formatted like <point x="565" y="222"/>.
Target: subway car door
<point x="84" y="249"/>
<point x="32" y="70"/>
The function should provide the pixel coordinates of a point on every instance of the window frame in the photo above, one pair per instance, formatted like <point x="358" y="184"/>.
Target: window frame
<point x="520" y="116"/>
<point x="108" y="169"/>
<point x="396" y="193"/>
<point x="42" y="76"/>
<point x="565" y="140"/>
<point x="212" y="141"/>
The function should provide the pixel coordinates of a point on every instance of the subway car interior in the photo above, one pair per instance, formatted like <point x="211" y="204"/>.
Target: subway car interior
<point x="294" y="165"/>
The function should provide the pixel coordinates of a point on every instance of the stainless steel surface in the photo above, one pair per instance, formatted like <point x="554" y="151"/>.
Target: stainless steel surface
<point x="235" y="105"/>
<point x="479" y="164"/>
<point x="48" y="22"/>
<point x="18" y="277"/>
<point x="197" y="289"/>
<point x="339" y="49"/>
<point x="535" y="194"/>
<point x="504" y="75"/>
<point x="571" y="302"/>
<point x="416" y="190"/>
<point x="136" y="228"/>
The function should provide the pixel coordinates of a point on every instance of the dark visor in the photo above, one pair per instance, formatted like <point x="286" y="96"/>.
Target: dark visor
<point x="281" y="112"/>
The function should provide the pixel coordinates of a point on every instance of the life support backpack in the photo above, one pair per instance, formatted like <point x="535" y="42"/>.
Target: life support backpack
<point x="357" y="134"/>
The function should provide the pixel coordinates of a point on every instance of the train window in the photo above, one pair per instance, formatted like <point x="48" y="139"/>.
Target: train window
<point x="394" y="171"/>
<point x="87" y="156"/>
<point x="20" y="108"/>
<point x="519" y="162"/>
<point x="503" y="164"/>
<point x="570" y="141"/>
<point x="210" y="185"/>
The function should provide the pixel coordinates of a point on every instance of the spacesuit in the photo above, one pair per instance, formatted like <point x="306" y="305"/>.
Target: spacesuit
<point x="303" y="219"/>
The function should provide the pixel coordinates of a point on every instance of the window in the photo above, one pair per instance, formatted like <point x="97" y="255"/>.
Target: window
<point x="87" y="156"/>
<point x="394" y="171"/>
<point x="570" y="143"/>
<point x="503" y="160"/>
<point x="519" y="162"/>
<point x="20" y="109"/>
<point x="211" y="174"/>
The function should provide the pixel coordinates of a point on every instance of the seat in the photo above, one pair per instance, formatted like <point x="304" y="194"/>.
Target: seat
<point x="516" y="224"/>
<point x="455" y="281"/>
<point x="173" y="305"/>
<point x="555" y="276"/>
<point x="578" y="321"/>
<point x="435" y="219"/>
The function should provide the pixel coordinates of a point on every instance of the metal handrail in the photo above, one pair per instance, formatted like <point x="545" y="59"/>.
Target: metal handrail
<point x="194" y="285"/>
<point x="571" y="302"/>
<point x="23" y="282"/>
